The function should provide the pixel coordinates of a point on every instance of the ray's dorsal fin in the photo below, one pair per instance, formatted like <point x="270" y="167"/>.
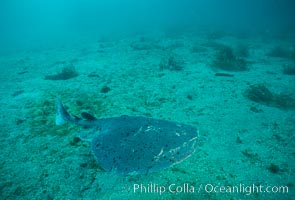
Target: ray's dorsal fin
<point x="88" y="116"/>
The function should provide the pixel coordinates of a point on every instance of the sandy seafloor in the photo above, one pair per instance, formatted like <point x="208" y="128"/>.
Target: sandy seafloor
<point x="240" y="140"/>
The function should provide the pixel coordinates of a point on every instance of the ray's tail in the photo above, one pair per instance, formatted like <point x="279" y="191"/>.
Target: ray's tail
<point x="62" y="115"/>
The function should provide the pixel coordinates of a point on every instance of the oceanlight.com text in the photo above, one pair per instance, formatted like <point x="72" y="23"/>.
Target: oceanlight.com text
<point x="173" y="188"/>
<point x="245" y="189"/>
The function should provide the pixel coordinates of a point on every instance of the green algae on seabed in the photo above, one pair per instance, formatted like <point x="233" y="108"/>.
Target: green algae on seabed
<point x="289" y="69"/>
<point x="287" y="52"/>
<point x="225" y="59"/>
<point x="66" y="73"/>
<point x="279" y="52"/>
<point x="171" y="62"/>
<point x="259" y="93"/>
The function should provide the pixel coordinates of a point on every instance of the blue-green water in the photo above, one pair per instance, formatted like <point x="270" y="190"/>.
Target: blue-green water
<point x="225" y="67"/>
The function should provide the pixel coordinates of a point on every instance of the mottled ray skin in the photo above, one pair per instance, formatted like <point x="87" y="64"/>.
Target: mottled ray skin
<point x="130" y="145"/>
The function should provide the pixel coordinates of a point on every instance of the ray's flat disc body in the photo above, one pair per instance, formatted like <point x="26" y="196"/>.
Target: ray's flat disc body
<point x="138" y="145"/>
